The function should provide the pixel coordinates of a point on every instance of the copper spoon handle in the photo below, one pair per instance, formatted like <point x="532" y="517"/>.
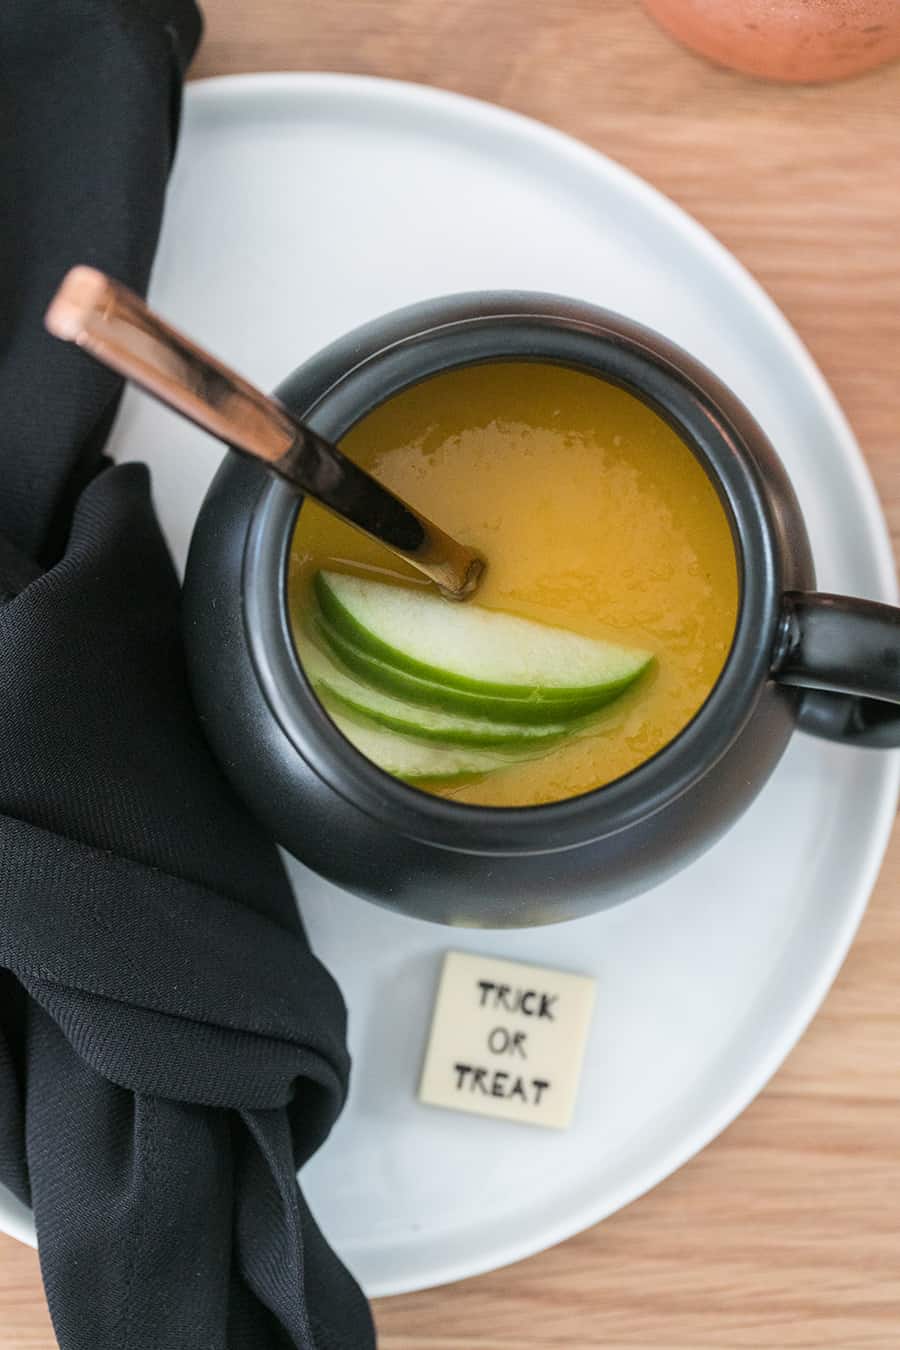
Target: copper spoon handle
<point x="117" y="328"/>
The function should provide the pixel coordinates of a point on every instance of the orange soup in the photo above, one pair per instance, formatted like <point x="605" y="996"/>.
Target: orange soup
<point x="594" y="517"/>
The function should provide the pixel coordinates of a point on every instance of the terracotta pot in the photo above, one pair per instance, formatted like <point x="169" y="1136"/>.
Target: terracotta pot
<point x="796" y="40"/>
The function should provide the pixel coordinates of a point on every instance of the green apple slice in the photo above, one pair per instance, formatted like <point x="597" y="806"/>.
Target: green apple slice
<point x="498" y="658"/>
<point x="419" y="761"/>
<point x="342" y="692"/>
<point x="427" y="693"/>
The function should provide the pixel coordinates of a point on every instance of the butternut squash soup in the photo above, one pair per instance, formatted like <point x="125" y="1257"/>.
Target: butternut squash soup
<point x="603" y="620"/>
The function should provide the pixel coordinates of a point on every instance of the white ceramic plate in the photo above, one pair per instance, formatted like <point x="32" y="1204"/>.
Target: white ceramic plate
<point x="302" y="205"/>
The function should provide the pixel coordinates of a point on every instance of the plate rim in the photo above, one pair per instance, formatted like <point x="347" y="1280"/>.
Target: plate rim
<point x="205" y="93"/>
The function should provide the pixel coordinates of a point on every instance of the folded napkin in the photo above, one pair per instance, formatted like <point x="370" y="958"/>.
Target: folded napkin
<point x="170" y="1049"/>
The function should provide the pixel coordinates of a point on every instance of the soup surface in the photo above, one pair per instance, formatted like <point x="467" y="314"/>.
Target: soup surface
<point x="594" y="517"/>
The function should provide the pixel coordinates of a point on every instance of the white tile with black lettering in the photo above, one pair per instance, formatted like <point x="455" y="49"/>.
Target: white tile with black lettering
<point x="507" y="1040"/>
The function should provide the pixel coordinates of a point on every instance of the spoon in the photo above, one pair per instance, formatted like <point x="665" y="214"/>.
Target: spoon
<point x="118" y="329"/>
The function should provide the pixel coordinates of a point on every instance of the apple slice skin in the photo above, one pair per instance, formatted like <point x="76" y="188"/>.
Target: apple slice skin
<point x="419" y="762"/>
<point x="515" y="737"/>
<point x="531" y="711"/>
<point x="570" y="701"/>
<point x="347" y="694"/>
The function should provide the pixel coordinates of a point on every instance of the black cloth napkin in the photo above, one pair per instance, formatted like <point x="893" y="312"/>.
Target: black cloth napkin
<point x="170" y="1049"/>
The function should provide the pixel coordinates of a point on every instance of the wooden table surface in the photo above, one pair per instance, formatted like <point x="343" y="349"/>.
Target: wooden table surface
<point x="785" y="1232"/>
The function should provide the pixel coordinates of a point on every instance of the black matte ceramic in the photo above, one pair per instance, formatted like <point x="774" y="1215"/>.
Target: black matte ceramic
<point x="819" y="662"/>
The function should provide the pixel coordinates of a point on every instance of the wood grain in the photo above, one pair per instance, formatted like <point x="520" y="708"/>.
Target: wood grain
<point x="784" y="1233"/>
